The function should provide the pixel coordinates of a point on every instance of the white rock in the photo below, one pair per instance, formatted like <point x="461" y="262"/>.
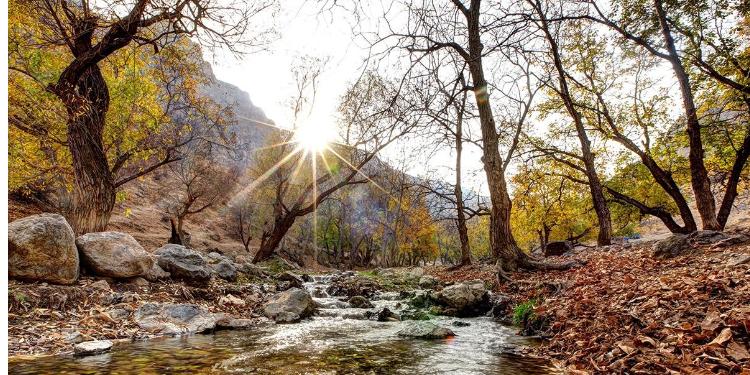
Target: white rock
<point x="92" y="347"/>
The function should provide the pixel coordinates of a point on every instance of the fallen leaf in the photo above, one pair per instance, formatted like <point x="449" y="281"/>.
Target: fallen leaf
<point x="737" y="351"/>
<point x="724" y="336"/>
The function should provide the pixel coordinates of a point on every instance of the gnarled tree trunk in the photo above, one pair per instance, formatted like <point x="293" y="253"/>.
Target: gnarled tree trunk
<point x="93" y="185"/>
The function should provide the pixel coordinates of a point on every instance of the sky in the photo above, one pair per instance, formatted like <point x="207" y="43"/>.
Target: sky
<point x="304" y="31"/>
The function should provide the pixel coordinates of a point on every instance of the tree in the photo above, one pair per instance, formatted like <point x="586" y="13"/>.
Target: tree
<point x="458" y="28"/>
<point x="300" y="180"/>
<point x="201" y="182"/>
<point x="95" y="32"/>
<point x="242" y="214"/>
<point x="696" y="50"/>
<point x="541" y="18"/>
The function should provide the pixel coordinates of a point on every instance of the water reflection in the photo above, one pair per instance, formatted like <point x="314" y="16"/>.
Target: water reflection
<point x="318" y="346"/>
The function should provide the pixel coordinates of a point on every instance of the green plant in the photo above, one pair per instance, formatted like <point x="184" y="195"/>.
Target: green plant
<point x="524" y="312"/>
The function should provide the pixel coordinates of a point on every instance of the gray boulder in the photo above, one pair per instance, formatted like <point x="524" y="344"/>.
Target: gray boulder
<point x="671" y="246"/>
<point x="706" y="237"/>
<point x="114" y="254"/>
<point x="183" y="263"/>
<point x="425" y="330"/>
<point x="175" y="319"/>
<point x="92" y="347"/>
<point x="465" y="299"/>
<point x="428" y="282"/>
<point x="289" y="306"/>
<point x="225" y="270"/>
<point x="42" y="248"/>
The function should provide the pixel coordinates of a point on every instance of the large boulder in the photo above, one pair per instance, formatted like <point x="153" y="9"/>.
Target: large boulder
<point x="183" y="263"/>
<point x="42" y="248"/>
<point x="425" y="330"/>
<point x="175" y="319"/>
<point x="114" y="254"/>
<point x="557" y="248"/>
<point x="289" y="306"/>
<point x="465" y="299"/>
<point x="294" y="280"/>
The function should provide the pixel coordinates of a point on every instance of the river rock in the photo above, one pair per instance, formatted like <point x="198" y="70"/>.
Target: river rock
<point x="501" y="306"/>
<point x="175" y="319"/>
<point x="101" y="285"/>
<point x="92" y="347"/>
<point x="231" y="300"/>
<point x="251" y="270"/>
<point x="183" y="263"/>
<point x="466" y="299"/>
<point x="42" y="248"/>
<point x="428" y="282"/>
<point x="113" y="254"/>
<point x="360" y="302"/>
<point x="557" y="248"/>
<point x="347" y="285"/>
<point x="294" y="280"/>
<point x="738" y="259"/>
<point x="386" y="315"/>
<point x="425" y="330"/>
<point x="289" y="306"/>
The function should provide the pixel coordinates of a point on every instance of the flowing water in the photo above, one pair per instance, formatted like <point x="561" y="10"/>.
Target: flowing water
<point x="338" y="340"/>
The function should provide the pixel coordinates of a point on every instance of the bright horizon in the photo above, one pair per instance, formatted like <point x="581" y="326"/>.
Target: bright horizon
<point x="303" y="32"/>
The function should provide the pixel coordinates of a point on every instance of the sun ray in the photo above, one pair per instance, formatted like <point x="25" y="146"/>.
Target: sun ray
<point x="250" y="187"/>
<point x="359" y="171"/>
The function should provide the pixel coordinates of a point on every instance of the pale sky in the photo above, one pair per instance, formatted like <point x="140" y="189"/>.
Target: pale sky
<point x="267" y="77"/>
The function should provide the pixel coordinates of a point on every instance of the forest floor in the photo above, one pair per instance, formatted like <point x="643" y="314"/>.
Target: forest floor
<point x="626" y="311"/>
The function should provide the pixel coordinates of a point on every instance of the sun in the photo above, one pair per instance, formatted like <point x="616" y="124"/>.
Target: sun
<point x="314" y="137"/>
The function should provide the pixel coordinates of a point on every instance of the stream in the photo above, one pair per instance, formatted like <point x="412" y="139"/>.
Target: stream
<point x="337" y="340"/>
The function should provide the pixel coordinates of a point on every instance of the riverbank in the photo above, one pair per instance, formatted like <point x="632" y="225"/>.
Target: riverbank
<point x="628" y="311"/>
<point x="623" y="310"/>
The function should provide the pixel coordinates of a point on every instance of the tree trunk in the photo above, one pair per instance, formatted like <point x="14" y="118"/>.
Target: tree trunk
<point x="174" y="237"/>
<point x="271" y="239"/>
<point x="595" y="185"/>
<point x="463" y="233"/>
<point x="502" y="243"/>
<point x="93" y="184"/>
<point x="704" y="198"/>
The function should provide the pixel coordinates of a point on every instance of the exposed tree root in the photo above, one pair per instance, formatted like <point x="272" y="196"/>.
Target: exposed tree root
<point x="531" y="263"/>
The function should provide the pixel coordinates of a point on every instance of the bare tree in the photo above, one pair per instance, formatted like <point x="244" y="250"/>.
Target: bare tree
<point x="243" y="227"/>
<point x="201" y="182"/>
<point x="372" y="118"/>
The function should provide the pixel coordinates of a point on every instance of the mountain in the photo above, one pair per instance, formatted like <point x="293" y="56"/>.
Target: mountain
<point x="250" y="125"/>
